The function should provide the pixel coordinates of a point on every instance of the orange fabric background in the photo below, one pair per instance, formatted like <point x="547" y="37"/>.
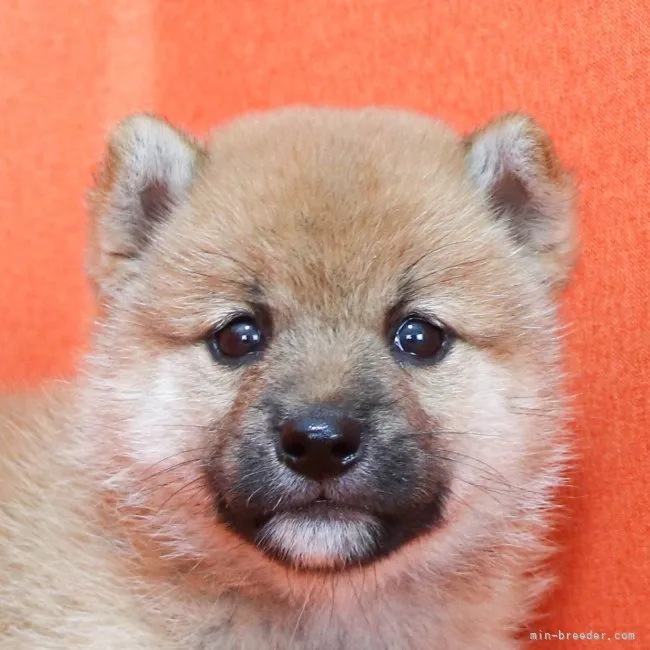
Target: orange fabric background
<point x="68" y="70"/>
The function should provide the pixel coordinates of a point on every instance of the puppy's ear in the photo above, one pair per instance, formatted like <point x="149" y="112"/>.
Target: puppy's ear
<point x="513" y="162"/>
<point x="146" y="172"/>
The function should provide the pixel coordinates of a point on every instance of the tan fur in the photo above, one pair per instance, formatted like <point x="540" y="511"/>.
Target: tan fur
<point x="109" y="535"/>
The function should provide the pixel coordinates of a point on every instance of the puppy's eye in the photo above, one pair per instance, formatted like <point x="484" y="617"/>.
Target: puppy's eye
<point x="239" y="339"/>
<point x="420" y="340"/>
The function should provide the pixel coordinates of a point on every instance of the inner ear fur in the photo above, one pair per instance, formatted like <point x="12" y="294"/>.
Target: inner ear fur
<point x="146" y="172"/>
<point x="513" y="162"/>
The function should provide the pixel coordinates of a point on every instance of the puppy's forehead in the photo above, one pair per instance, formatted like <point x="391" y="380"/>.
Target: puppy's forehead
<point x="332" y="205"/>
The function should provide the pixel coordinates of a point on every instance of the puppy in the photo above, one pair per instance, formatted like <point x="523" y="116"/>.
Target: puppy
<point x="322" y="407"/>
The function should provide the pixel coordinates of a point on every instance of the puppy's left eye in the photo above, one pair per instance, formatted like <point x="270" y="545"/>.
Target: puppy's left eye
<point x="421" y="340"/>
<point x="236" y="341"/>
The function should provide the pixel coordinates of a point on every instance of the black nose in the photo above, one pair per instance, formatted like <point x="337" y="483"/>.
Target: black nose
<point x="320" y="445"/>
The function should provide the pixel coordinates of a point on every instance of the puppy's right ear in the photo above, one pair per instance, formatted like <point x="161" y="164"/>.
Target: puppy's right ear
<point x="147" y="170"/>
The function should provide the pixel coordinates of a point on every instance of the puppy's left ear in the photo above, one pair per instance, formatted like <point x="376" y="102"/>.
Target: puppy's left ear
<point x="512" y="160"/>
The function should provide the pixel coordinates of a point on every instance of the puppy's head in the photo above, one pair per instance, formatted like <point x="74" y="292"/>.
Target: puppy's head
<point x="328" y="337"/>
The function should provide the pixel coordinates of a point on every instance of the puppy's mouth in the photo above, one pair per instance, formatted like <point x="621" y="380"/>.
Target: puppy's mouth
<point x="329" y="536"/>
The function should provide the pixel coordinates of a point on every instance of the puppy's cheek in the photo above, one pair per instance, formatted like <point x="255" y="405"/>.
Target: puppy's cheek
<point x="157" y="410"/>
<point x="485" y="440"/>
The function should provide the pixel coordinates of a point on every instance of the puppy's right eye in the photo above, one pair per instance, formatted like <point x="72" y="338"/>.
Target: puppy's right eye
<point x="237" y="341"/>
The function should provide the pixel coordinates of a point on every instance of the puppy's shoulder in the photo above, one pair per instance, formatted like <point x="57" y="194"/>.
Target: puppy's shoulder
<point x="59" y="585"/>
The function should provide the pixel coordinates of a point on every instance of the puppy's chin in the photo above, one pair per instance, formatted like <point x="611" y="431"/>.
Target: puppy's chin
<point x="326" y="536"/>
<point x="318" y="538"/>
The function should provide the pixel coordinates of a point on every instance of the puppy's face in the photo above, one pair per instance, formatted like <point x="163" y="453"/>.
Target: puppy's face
<point x="328" y="336"/>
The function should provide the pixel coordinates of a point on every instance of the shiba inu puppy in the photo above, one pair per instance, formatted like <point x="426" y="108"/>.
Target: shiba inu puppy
<point x="322" y="407"/>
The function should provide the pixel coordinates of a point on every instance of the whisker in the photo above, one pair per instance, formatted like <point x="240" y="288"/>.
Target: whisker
<point x="335" y="582"/>
<point x="252" y="494"/>
<point x="486" y="490"/>
<point x="171" y="468"/>
<point x="148" y="489"/>
<point x="446" y="432"/>
<point x="464" y="501"/>
<point x="300" y="615"/>
<point x="482" y="465"/>
<point x="181" y="489"/>
<point x="359" y="602"/>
